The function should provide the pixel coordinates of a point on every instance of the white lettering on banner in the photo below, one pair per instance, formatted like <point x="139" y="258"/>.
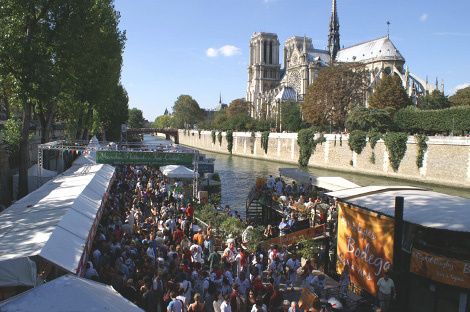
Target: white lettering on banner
<point x="364" y="232"/>
<point x="371" y="259"/>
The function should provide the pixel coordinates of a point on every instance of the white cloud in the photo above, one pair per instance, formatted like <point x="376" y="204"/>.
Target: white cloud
<point x="461" y="86"/>
<point x="226" y="50"/>
<point x="211" y="52"/>
<point x="424" y="17"/>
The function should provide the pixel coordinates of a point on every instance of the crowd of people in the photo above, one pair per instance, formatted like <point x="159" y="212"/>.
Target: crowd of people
<point x="150" y="248"/>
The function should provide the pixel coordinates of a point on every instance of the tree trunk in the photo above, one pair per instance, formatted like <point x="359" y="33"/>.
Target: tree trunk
<point x="24" y="151"/>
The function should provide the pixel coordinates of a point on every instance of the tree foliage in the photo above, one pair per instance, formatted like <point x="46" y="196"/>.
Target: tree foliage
<point x="136" y="118"/>
<point x="163" y="121"/>
<point x="461" y="97"/>
<point x="291" y="119"/>
<point x="186" y="112"/>
<point x="449" y="120"/>
<point x="389" y="93"/>
<point x="229" y="138"/>
<point x="335" y="91"/>
<point x="10" y="135"/>
<point x="369" y="119"/>
<point x="238" y="107"/>
<point x="61" y="54"/>
<point x="435" y="100"/>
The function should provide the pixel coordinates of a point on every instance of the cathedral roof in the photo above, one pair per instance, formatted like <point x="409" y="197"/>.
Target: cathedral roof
<point x="319" y="55"/>
<point x="381" y="48"/>
<point x="287" y="94"/>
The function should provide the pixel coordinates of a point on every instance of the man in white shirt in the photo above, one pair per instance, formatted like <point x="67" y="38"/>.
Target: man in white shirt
<point x="386" y="291"/>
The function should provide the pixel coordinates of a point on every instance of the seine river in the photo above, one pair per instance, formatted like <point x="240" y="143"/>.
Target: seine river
<point x="238" y="175"/>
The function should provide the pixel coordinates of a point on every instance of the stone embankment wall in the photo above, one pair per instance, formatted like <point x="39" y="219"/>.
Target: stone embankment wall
<point x="446" y="161"/>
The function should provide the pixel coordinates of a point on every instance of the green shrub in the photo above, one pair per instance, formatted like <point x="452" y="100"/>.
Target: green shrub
<point x="366" y="119"/>
<point x="219" y="138"/>
<point x="374" y="137"/>
<point x="231" y="227"/>
<point x="229" y="137"/>
<point x="307" y="144"/>
<point x="213" y="136"/>
<point x="396" y="147"/>
<point x="357" y="141"/>
<point x="422" y="147"/>
<point x="199" y="133"/>
<point x="252" y="141"/>
<point x="265" y="141"/>
<point x="449" y="120"/>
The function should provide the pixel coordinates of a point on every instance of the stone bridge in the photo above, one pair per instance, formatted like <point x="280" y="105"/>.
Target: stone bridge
<point x="169" y="133"/>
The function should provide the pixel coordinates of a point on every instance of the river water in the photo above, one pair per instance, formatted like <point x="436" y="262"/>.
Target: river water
<point x="238" y="175"/>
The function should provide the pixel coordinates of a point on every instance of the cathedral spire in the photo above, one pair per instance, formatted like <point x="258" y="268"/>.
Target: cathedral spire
<point x="333" y="36"/>
<point x="220" y="98"/>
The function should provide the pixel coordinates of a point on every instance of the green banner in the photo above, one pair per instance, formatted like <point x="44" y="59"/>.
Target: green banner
<point x="143" y="158"/>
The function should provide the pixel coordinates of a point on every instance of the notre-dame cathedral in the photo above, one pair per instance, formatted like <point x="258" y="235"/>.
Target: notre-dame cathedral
<point x="269" y="84"/>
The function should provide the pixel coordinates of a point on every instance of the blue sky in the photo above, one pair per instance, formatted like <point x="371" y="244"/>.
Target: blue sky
<point x="200" y="47"/>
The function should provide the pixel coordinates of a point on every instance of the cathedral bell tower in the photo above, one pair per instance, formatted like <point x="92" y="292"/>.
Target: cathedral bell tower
<point x="333" y="36"/>
<point x="264" y="70"/>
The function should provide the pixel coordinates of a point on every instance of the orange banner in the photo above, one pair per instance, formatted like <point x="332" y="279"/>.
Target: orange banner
<point x="293" y="238"/>
<point x="365" y="243"/>
<point x="440" y="269"/>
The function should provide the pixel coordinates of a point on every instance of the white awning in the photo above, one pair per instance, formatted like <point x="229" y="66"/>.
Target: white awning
<point x="18" y="272"/>
<point x="69" y="293"/>
<point x="327" y="183"/>
<point x="178" y="172"/>
<point x="55" y="220"/>
<point x="421" y="207"/>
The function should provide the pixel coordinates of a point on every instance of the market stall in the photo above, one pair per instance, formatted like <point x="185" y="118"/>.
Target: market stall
<point x="69" y="293"/>
<point x="53" y="225"/>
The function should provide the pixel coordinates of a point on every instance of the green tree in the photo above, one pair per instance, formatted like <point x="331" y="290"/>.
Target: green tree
<point x="186" y="112"/>
<point x="136" y="118"/>
<point x="435" y="100"/>
<point x="369" y="119"/>
<point x="335" y="91"/>
<point x="163" y="121"/>
<point x="461" y="97"/>
<point x="238" y="107"/>
<point x="291" y="117"/>
<point x="389" y="93"/>
<point x="10" y="135"/>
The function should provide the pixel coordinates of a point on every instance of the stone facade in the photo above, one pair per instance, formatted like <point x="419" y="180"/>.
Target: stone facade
<point x="446" y="161"/>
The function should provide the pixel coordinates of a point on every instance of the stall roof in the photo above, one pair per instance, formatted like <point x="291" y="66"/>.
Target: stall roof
<point x="54" y="221"/>
<point x="178" y="172"/>
<point x="422" y="207"/>
<point x="327" y="183"/>
<point x="69" y="293"/>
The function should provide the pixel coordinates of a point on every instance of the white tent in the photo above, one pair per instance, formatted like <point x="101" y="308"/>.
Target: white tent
<point x="178" y="172"/>
<point x="36" y="177"/>
<point x="69" y="293"/>
<point x="18" y="272"/>
<point x="327" y="183"/>
<point x="55" y="221"/>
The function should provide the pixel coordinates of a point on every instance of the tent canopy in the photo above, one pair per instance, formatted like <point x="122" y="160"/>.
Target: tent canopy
<point x="55" y="220"/>
<point x="18" y="272"/>
<point x="327" y="183"/>
<point x="421" y="207"/>
<point x="69" y="293"/>
<point x="178" y="172"/>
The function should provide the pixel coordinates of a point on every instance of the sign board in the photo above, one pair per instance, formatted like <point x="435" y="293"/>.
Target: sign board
<point x="440" y="269"/>
<point x="293" y="238"/>
<point x="143" y="158"/>
<point x="365" y="243"/>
